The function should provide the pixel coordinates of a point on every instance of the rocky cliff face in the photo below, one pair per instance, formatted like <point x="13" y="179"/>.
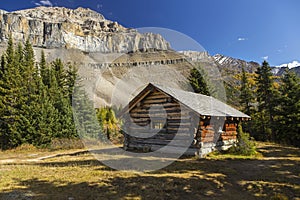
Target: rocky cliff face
<point x="83" y="29"/>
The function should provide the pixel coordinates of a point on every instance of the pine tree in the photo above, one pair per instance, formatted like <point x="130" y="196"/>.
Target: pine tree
<point x="2" y="66"/>
<point x="60" y="75"/>
<point x="9" y="98"/>
<point x="197" y="81"/>
<point x="71" y="76"/>
<point x="266" y="96"/>
<point x="246" y="96"/>
<point x="46" y="120"/>
<point x="85" y="118"/>
<point x="28" y="95"/>
<point x="44" y="70"/>
<point x="289" y="109"/>
<point x="19" y="54"/>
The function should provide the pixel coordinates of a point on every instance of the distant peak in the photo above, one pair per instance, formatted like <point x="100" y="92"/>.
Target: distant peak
<point x="290" y="65"/>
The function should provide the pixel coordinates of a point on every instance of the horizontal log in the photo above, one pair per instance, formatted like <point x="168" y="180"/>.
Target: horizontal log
<point x="186" y="126"/>
<point x="179" y="143"/>
<point x="156" y="92"/>
<point x="179" y="115"/>
<point x="157" y="96"/>
<point x="170" y="123"/>
<point x="165" y="104"/>
<point x="156" y="141"/>
<point x="171" y="149"/>
<point x="230" y="129"/>
<point x="171" y="137"/>
<point x="154" y="101"/>
<point x="160" y="114"/>
<point x="205" y="140"/>
<point x="232" y="133"/>
<point x="179" y="128"/>
<point x="160" y="110"/>
<point x="135" y="120"/>
<point x="146" y="129"/>
<point x="179" y="118"/>
<point x="207" y="133"/>
<point x="141" y="124"/>
<point x="228" y="137"/>
<point x="140" y="112"/>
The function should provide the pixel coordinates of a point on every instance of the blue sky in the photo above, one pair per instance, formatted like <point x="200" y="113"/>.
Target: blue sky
<point x="247" y="29"/>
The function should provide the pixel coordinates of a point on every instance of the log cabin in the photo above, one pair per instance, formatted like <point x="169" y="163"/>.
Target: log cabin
<point x="160" y="116"/>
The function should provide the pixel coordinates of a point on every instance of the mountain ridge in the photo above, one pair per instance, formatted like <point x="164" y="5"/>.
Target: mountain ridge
<point x="100" y="47"/>
<point x="81" y="28"/>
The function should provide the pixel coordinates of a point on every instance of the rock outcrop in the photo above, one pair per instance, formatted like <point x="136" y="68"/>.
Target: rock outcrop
<point x="83" y="29"/>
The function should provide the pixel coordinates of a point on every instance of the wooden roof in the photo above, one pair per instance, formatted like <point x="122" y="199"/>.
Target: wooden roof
<point x="201" y="104"/>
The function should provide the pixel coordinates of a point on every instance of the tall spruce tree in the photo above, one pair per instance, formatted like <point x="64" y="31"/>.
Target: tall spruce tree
<point x="289" y="109"/>
<point x="266" y="97"/>
<point x="28" y="96"/>
<point x="197" y="81"/>
<point x="85" y="115"/>
<point x="10" y="94"/>
<point x="246" y="96"/>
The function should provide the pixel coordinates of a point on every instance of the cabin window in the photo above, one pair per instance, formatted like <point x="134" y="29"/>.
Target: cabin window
<point x="157" y="124"/>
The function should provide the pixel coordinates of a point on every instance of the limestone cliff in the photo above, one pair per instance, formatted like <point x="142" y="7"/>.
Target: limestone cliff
<point x="83" y="29"/>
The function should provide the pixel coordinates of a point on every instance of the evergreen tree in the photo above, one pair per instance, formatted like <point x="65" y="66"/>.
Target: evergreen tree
<point x="2" y="66"/>
<point x="44" y="70"/>
<point x="85" y="115"/>
<point x="197" y="81"/>
<point x="9" y="98"/>
<point x="28" y="95"/>
<point x="289" y="109"/>
<point x="71" y="76"/>
<point x="266" y="97"/>
<point x="19" y="54"/>
<point x="59" y="91"/>
<point x="60" y="75"/>
<point x="246" y="96"/>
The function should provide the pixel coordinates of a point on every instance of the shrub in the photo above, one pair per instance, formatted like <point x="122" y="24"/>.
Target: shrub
<point x="245" y="145"/>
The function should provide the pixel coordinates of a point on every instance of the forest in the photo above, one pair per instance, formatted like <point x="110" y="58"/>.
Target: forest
<point x="36" y="101"/>
<point x="272" y="102"/>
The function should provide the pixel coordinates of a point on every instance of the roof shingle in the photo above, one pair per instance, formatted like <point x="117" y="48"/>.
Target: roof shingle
<point x="202" y="104"/>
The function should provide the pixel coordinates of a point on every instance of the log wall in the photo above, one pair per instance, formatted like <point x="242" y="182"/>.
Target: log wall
<point x="158" y="108"/>
<point x="229" y="131"/>
<point x="158" y="118"/>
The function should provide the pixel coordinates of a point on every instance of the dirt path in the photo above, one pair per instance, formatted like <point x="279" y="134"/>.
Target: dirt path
<point x="54" y="155"/>
<point x="269" y="151"/>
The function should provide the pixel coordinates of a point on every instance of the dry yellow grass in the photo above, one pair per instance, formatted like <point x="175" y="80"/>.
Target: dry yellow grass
<point x="83" y="177"/>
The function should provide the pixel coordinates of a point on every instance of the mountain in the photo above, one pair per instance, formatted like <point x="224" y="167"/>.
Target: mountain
<point x="236" y="64"/>
<point x="113" y="60"/>
<point x="290" y="65"/>
<point x="293" y="66"/>
<point x="83" y="29"/>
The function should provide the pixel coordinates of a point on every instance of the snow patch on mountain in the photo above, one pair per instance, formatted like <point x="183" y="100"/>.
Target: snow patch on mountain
<point x="290" y="65"/>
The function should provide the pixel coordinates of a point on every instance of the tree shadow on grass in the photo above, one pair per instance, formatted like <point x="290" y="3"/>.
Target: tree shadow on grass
<point x="143" y="187"/>
<point x="279" y="151"/>
<point x="186" y="178"/>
